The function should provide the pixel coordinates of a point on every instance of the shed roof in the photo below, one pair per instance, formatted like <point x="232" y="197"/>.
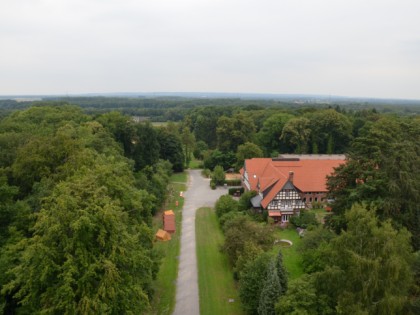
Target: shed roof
<point x="162" y="235"/>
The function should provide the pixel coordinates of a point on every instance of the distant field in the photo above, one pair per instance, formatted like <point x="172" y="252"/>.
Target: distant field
<point x="159" y="123"/>
<point x="165" y="285"/>
<point x="215" y="278"/>
<point x="291" y="258"/>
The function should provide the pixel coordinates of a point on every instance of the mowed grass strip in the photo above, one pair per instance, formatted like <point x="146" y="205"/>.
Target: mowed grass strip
<point x="291" y="257"/>
<point x="215" y="278"/>
<point x="163" y="302"/>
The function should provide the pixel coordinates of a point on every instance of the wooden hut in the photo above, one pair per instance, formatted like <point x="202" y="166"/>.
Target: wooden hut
<point x="162" y="235"/>
<point x="169" y="221"/>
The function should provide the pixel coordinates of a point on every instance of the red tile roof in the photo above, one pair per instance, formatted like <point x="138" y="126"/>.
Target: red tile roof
<point x="308" y="175"/>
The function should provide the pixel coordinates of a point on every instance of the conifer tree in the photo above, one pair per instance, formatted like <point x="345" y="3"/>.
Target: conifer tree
<point x="270" y="293"/>
<point x="281" y="272"/>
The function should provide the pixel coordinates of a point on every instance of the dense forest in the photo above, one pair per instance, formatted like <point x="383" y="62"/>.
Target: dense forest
<point x="77" y="194"/>
<point x="79" y="186"/>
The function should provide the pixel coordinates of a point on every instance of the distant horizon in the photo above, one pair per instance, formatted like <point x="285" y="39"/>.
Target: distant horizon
<point x="251" y="95"/>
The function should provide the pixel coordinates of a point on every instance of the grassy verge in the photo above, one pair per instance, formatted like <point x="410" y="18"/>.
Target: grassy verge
<point x="179" y="178"/>
<point x="215" y="279"/>
<point x="195" y="164"/>
<point x="291" y="257"/>
<point x="165" y="284"/>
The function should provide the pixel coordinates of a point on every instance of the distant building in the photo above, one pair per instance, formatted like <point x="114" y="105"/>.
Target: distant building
<point x="288" y="183"/>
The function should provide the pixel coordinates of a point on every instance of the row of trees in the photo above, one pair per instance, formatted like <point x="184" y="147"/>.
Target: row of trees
<point x="312" y="131"/>
<point x="77" y="195"/>
<point x="227" y="136"/>
<point x="257" y="266"/>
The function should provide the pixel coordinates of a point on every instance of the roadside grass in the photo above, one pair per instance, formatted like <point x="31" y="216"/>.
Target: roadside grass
<point x="291" y="257"/>
<point x="165" y="284"/>
<point x="195" y="164"/>
<point x="215" y="277"/>
<point x="179" y="177"/>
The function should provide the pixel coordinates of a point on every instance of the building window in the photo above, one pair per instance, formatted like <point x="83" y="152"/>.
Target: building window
<point x="310" y="199"/>
<point x="316" y="198"/>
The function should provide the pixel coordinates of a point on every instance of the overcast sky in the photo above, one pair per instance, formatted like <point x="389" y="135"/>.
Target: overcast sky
<point x="366" y="48"/>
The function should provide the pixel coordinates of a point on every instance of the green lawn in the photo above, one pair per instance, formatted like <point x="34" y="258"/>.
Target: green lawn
<point x="195" y="164"/>
<point x="215" y="278"/>
<point x="179" y="177"/>
<point x="291" y="257"/>
<point x="165" y="285"/>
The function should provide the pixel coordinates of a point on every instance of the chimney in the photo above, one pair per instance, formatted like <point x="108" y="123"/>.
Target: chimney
<point x="291" y="174"/>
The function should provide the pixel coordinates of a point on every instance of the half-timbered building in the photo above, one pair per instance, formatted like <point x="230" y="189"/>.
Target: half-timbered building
<point x="289" y="183"/>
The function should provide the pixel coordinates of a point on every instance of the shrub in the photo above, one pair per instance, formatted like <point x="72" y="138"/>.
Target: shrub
<point x="234" y="190"/>
<point x="218" y="175"/>
<point x="212" y="185"/>
<point x="245" y="200"/>
<point x="229" y="216"/>
<point x="206" y="173"/>
<point x="233" y="182"/>
<point x="242" y="230"/>
<point x="304" y="220"/>
<point x="317" y="205"/>
<point x="225" y="204"/>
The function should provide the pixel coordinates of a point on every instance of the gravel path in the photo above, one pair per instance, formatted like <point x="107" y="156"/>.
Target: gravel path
<point x="198" y="195"/>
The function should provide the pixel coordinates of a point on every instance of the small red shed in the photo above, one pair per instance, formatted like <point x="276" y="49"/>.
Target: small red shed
<point x="169" y="221"/>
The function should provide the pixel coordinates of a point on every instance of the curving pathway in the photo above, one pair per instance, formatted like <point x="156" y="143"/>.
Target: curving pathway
<point x="198" y="195"/>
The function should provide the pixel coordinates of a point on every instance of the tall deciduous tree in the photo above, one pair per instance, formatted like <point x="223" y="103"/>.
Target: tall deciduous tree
<point x="269" y="135"/>
<point x="171" y="149"/>
<point x="245" y="151"/>
<point x="234" y="131"/>
<point x="331" y="131"/>
<point x="368" y="268"/>
<point x="297" y="132"/>
<point x="188" y="143"/>
<point x="90" y="250"/>
<point x="382" y="169"/>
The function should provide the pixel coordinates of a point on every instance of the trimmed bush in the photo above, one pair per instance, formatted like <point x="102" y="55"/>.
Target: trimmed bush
<point x="304" y="220"/>
<point x="212" y="185"/>
<point x="233" y="182"/>
<point x="218" y="175"/>
<point x="234" y="190"/>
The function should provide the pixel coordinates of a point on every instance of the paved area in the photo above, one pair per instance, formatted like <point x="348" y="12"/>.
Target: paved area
<point x="198" y="195"/>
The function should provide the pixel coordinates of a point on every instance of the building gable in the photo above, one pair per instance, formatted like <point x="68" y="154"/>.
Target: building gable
<point x="288" y="198"/>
